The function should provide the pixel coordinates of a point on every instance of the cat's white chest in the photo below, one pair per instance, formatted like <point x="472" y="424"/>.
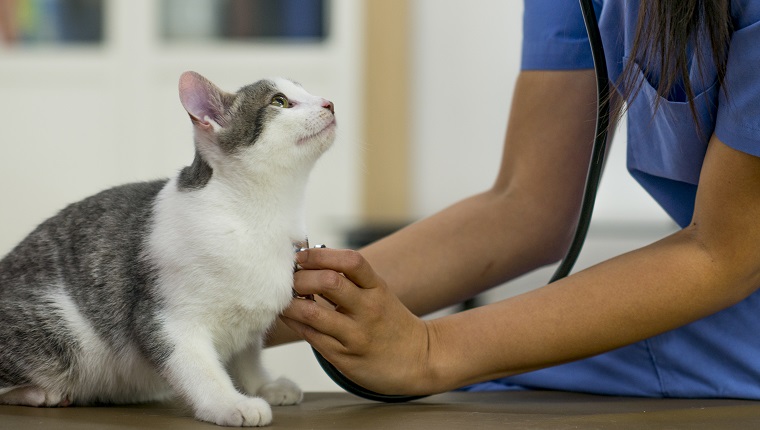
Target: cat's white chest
<point x="227" y="269"/>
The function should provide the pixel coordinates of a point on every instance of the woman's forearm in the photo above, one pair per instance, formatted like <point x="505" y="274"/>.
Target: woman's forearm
<point x="473" y="245"/>
<point x="525" y="221"/>
<point x="629" y="298"/>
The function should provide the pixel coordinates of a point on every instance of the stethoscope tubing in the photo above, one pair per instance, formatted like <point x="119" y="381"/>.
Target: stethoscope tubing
<point x="587" y="206"/>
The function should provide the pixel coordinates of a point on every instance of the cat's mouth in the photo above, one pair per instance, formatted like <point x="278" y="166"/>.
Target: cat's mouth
<point x="329" y="128"/>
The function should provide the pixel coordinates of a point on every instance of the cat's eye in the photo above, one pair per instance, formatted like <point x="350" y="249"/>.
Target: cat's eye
<point x="280" y="100"/>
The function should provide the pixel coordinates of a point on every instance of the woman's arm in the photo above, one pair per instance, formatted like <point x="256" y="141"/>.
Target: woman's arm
<point x="373" y="339"/>
<point x="709" y="266"/>
<point x="524" y="222"/>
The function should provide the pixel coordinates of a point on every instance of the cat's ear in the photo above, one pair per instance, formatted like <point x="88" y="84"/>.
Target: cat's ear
<point x="204" y="102"/>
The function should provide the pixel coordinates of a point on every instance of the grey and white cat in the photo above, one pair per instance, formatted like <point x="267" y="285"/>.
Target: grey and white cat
<point x="165" y="288"/>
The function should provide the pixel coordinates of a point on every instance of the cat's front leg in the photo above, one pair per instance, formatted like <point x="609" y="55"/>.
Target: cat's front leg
<point x="250" y="376"/>
<point x="195" y="372"/>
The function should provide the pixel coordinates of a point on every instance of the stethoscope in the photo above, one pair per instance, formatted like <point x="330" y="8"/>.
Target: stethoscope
<point x="587" y="206"/>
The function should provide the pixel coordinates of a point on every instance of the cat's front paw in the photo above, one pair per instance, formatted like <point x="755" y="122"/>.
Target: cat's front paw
<point x="245" y="412"/>
<point x="281" y="391"/>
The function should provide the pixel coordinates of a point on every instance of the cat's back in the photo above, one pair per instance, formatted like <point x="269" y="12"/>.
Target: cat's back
<point x="68" y="294"/>
<point x="90" y="240"/>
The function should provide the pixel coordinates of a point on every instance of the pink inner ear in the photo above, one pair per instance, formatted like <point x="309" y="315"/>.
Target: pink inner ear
<point x="199" y="97"/>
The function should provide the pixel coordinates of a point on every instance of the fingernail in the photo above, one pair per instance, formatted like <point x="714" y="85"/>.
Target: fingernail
<point x="302" y="256"/>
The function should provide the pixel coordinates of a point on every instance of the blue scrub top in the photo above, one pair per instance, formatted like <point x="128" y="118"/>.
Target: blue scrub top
<point x="718" y="356"/>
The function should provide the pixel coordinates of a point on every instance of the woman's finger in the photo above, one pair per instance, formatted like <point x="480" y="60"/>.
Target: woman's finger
<point x="321" y="342"/>
<point x="348" y="262"/>
<point x="318" y="318"/>
<point x="331" y="285"/>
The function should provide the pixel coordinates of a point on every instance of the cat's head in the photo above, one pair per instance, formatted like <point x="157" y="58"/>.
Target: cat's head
<point x="270" y="125"/>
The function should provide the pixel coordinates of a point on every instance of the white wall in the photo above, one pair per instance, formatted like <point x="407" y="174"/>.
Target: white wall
<point x="466" y="57"/>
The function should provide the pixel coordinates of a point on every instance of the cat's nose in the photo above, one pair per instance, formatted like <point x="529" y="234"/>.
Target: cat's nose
<point x="327" y="104"/>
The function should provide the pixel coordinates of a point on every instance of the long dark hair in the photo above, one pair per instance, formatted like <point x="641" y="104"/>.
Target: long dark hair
<point x="666" y="29"/>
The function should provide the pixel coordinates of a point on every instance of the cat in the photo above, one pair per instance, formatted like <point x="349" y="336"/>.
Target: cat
<point x="151" y="290"/>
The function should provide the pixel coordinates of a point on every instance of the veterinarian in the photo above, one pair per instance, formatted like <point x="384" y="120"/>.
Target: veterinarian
<point x="677" y="318"/>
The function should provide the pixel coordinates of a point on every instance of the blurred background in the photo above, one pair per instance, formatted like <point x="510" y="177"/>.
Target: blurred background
<point x="422" y="89"/>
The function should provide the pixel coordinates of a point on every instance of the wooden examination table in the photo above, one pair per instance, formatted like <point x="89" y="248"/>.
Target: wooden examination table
<point x="498" y="410"/>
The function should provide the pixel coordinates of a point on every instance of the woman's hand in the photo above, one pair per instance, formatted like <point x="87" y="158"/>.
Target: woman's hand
<point x="369" y="335"/>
